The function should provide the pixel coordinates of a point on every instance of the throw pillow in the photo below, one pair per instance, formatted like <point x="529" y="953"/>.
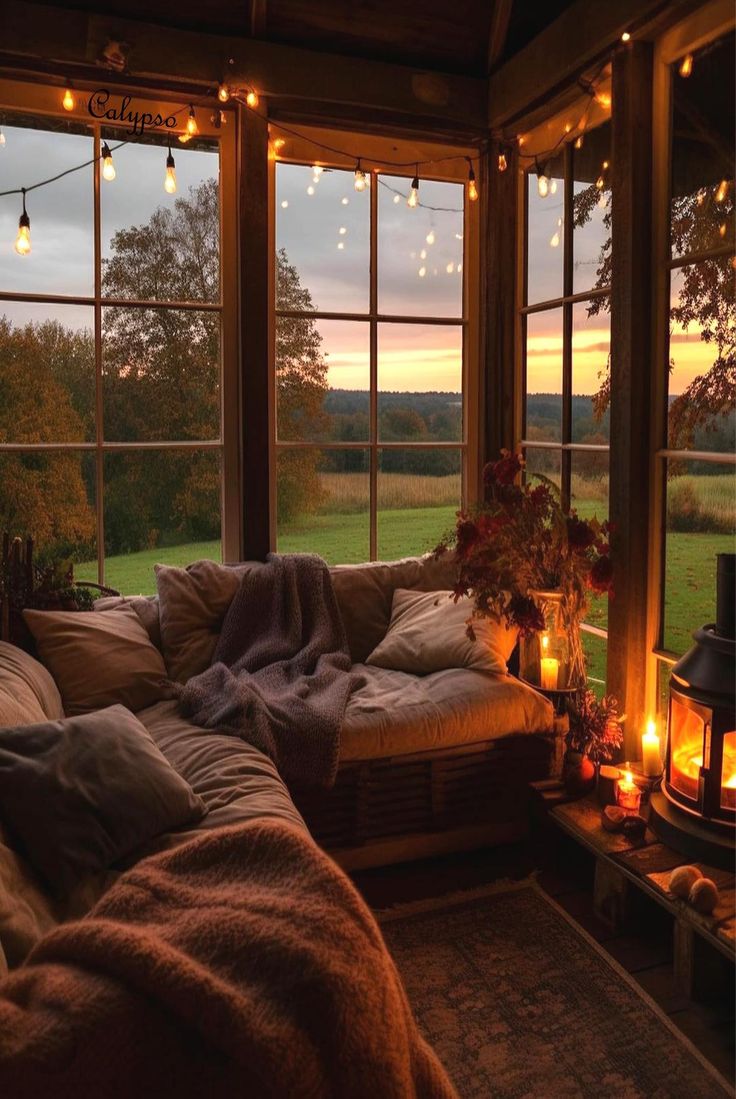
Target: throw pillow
<point x="428" y="633"/>
<point x="80" y="793"/>
<point x="27" y="691"/>
<point x="99" y="658"/>
<point x="192" y="605"/>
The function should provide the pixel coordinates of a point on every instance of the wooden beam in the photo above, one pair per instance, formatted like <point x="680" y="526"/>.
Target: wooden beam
<point x="255" y="325"/>
<point x="499" y="29"/>
<point x="631" y="356"/>
<point x="582" y="35"/>
<point x="70" y="39"/>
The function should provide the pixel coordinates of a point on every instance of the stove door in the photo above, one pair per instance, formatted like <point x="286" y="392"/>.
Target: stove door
<point x="728" y="772"/>
<point x="689" y="748"/>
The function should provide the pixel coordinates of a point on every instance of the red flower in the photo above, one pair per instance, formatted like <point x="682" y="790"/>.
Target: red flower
<point x="601" y="575"/>
<point x="579" y="534"/>
<point x="467" y="536"/>
<point x="526" y="614"/>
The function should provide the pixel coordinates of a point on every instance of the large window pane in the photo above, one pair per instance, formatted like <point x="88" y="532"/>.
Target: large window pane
<point x="323" y="503"/>
<point x="322" y="380"/>
<point x="544" y="376"/>
<point x="419" y="492"/>
<point x="545" y="234"/>
<point x="160" y="506"/>
<point x="161" y="374"/>
<point x="47" y="373"/>
<point x="61" y="256"/>
<point x="591" y="345"/>
<point x="701" y="522"/>
<point x="702" y="182"/>
<point x="420" y="250"/>
<point x="50" y="496"/>
<point x="420" y="381"/>
<point x="322" y="240"/>
<point x="591" y="245"/>
<point x="156" y="245"/>
<point x="596" y="652"/>
<point x="702" y="344"/>
<point x="589" y="497"/>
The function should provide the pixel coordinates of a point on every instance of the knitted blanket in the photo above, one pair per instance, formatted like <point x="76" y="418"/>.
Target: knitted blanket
<point x="280" y="676"/>
<point x="241" y="963"/>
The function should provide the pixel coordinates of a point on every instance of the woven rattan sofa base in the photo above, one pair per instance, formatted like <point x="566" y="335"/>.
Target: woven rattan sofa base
<point x="404" y="807"/>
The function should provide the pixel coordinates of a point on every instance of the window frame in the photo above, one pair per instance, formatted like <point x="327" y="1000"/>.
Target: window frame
<point x="40" y="100"/>
<point x="300" y="150"/>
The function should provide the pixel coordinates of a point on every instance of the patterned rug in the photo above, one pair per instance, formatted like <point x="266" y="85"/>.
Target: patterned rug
<point x="520" y="1003"/>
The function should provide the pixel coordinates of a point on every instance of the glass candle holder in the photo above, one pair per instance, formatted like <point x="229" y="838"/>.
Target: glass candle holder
<point x="628" y="794"/>
<point x="544" y="657"/>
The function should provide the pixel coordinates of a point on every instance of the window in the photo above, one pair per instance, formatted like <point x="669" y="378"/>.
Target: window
<point x="566" y="340"/>
<point x="695" y="459"/>
<point x="371" y="351"/>
<point x="111" y="347"/>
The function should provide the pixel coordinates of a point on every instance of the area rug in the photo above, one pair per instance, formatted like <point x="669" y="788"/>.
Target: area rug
<point x="520" y="1003"/>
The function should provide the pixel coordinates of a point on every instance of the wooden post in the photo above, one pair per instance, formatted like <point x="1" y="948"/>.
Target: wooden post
<point x="255" y="322"/>
<point x="497" y="382"/>
<point x="631" y="365"/>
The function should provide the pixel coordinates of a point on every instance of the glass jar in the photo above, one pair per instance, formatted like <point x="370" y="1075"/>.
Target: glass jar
<point x="547" y="658"/>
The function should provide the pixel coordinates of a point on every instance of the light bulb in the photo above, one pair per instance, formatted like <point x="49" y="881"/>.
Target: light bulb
<point x="2" y="138"/>
<point x="340" y="245"/>
<point x="342" y="230"/>
<point x="686" y="65"/>
<point x="422" y="272"/>
<point x="360" y="181"/>
<point x="423" y="253"/>
<point x="310" y="189"/>
<point x="579" y="142"/>
<point x="472" y="188"/>
<point x="285" y="204"/>
<point x="344" y="201"/>
<point x="502" y="162"/>
<point x="722" y="190"/>
<point x="430" y="237"/>
<point x="554" y="242"/>
<point x="108" y="168"/>
<point x="223" y="92"/>
<point x="317" y="169"/>
<point x="553" y="186"/>
<point x="542" y="185"/>
<point x="413" y="198"/>
<point x="626" y="37"/>
<point x="23" y="240"/>
<point x="184" y="138"/>
<point x="397" y="199"/>
<point x="170" y="180"/>
<point x="68" y="102"/>
<point x="251" y="99"/>
<point x="192" y="127"/>
<point x="450" y="267"/>
<point x="600" y="183"/>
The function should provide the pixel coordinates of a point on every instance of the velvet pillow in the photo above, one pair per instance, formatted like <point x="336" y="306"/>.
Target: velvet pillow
<point x="100" y="658"/>
<point x="78" y="794"/>
<point x="428" y="633"/>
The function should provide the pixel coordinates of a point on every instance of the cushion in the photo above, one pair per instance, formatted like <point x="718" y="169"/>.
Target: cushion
<point x="80" y="793"/>
<point x="26" y="913"/>
<point x="27" y="691"/>
<point x="99" y="658"/>
<point x="428" y="631"/>
<point x="394" y="714"/>
<point x="365" y="594"/>
<point x="145" y="606"/>
<point x="192" y="605"/>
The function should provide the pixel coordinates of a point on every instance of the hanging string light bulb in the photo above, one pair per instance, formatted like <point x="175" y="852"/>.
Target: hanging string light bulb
<point x="23" y="240"/>
<point x="722" y="191"/>
<point x="542" y="181"/>
<point x="251" y="99"/>
<point x="502" y="162"/>
<point x="686" y="65"/>
<point x="192" y="127"/>
<point x="472" y="188"/>
<point x="360" y="178"/>
<point x="413" y="199"/>
<point x="223" y="92"/>
<point x="430" y="237"/>
<point x="108" y="168"/>
<point x="170" y="178"/>
<point x="68" y="102"/>
<point x="553" y="186"/>
<point x="579" y="141"/>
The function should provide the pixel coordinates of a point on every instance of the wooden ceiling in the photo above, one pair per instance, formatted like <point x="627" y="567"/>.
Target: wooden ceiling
<point x="470" y="37"/>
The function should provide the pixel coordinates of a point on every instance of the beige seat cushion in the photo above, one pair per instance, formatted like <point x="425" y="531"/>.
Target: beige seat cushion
<point x="428" y="632"/>
<point x="99" y="658"/>
<point x="393" y="713"/>
<point x="192" y="605"/>
<point x="27" y="690"/>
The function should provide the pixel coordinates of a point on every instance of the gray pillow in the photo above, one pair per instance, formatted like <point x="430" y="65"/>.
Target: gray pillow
<point x="80" y="793"/>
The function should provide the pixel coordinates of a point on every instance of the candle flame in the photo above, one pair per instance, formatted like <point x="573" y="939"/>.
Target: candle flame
<point x="545" y="641"/>
<point x="651" y="727"/>
<point x="629" y="778"/>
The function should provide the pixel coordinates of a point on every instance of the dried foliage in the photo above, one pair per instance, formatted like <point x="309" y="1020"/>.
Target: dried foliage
<point x="595" y="729"/>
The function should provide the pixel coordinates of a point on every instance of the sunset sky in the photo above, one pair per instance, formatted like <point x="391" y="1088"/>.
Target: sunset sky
<point x="420" y="256"/>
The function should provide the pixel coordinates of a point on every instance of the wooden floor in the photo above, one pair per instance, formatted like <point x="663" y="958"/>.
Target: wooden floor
<point x="644" y="948"/>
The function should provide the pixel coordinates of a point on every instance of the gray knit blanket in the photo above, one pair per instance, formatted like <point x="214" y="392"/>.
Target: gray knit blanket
<point x="280" y="675"/>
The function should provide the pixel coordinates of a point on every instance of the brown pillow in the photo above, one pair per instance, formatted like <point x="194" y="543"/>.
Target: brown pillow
<point x="428" y="633"/>
<point x="99" y="658"/>
<point x="192" y="605"/>
<point x="80" y="793"/>
<point x="27" y="691"/>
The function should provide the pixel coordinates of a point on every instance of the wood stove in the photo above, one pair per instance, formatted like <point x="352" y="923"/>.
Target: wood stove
<point x="696" y="810"/>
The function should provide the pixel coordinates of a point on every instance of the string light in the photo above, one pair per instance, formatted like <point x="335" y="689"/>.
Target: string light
<point x="170" y="178"/>
<point x="502" y="162"/>
<point x="472" y="189"/>
<point x="360" y="178"/>
<point x="223" y="92"/>
<point x="108" y="168"/>
<point x="722" y="191"/>
<point x="430" y="237"/>
<point x="23" y="240"/>
<point x="317" y="171"/>
<point x="68" y="102"/>
<point x="626" y="37"/>
<point x="397" y="199"/>
<point x="422" y="272"/>
<point x="553" y="186"/>
<point x="555" y="240"/>
<point x="579" y="141"/>
<point x="345" y="200"/>
<point x="192" y="127"/>
<point x="542" y="181"/>
<point x="310" y="189"/>
<point x="2" y="136"/>
<point x="686" y="65"/>
<point x="251" y="99"/>
<point x="413" y="198"/>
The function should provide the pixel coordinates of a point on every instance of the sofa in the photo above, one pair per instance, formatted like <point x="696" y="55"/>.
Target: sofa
<point x="427" y="763"/>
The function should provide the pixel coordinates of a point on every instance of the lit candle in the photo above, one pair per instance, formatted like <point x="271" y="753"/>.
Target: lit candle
<point x="628" y="794"/>
<point x="549" y="667"/>
<point x="651" y="758"/>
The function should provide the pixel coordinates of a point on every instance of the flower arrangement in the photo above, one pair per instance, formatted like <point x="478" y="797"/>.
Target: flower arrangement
<point x="595" y="729"/>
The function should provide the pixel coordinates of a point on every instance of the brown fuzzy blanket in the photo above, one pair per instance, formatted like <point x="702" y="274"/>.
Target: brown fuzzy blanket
<point x="280" y="675"/>
<point x="243" y="963"/>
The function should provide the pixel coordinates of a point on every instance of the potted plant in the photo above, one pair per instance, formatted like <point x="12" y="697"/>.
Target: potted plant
<point x="595" y="734"/>
<point x="524" y="559"/>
